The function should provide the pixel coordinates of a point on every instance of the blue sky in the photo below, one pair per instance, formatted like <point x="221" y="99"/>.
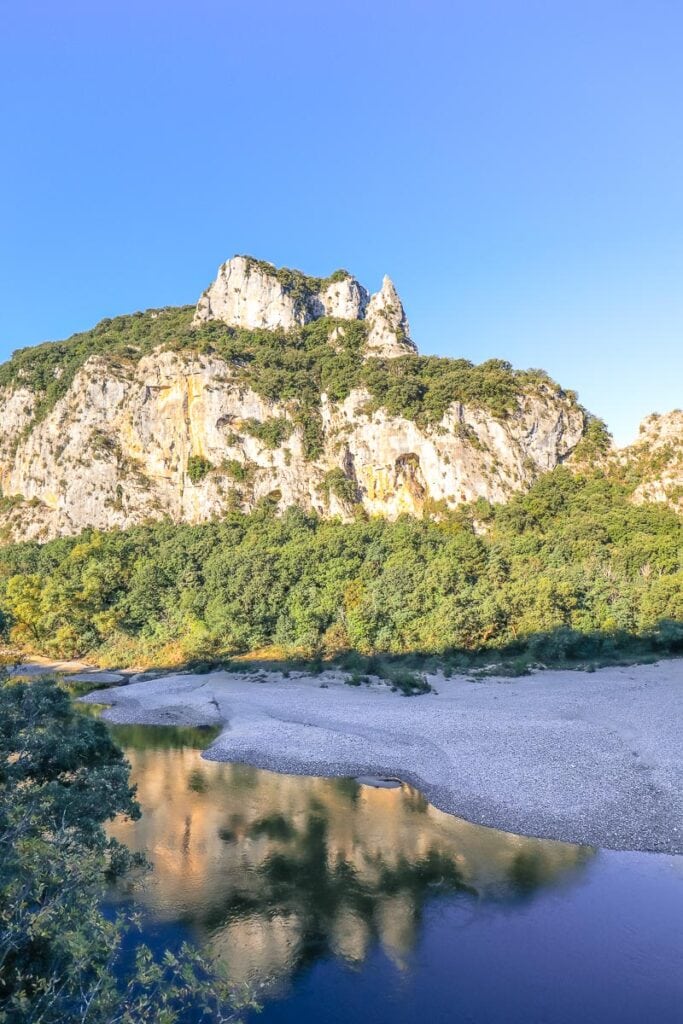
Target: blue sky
<point x="517" y="167"/>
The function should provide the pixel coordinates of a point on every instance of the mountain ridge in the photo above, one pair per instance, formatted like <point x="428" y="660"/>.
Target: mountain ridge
<point x="276" y="386"/>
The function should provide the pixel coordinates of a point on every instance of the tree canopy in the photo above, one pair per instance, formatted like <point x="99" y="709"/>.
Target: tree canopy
<point x="574" y="556"/>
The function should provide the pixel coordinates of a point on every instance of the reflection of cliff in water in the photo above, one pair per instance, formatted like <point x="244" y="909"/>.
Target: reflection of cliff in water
<point x="277" y="870"/>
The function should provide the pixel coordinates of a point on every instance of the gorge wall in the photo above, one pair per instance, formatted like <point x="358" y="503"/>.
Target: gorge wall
<point x="301" y="390"/>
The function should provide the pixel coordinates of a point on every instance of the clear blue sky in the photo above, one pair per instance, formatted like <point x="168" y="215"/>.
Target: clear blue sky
<point x="517" y="167"/>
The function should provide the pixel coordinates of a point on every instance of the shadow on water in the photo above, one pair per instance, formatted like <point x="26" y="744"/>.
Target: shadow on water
<point x="276" y="872"/>
<point x="163" y="737"/>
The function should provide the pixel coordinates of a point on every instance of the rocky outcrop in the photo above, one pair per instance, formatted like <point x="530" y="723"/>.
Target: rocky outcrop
<point x="655" y="461"/>
<point x="120" y="447"/>
<point x="389" y="333"/>
<point x="253" y="294"/>
<point x="179" y="433"/>
<point x="244" y="299"/>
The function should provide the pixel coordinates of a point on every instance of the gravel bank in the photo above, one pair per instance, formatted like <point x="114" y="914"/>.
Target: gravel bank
<point x="585" y="758"/>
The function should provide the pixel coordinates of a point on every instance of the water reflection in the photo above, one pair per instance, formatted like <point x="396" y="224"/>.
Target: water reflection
<point x="275" y="871"/>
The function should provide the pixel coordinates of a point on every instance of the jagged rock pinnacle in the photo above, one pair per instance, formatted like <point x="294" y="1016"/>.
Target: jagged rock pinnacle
<point x="253" y="294"/>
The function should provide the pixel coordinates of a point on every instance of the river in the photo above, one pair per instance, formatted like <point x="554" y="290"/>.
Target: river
<point x="340" y="901"/>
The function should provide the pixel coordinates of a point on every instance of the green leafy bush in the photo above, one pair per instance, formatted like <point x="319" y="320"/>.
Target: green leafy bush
<point x="272" y="433"/>
<point x="236" y="470"/>
<point x="198" y="467"/>
<point x="336" y="482"/>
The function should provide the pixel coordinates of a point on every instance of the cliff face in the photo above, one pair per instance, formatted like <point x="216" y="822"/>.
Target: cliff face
<point x="654" y="463"/>
<point x="183" y="432"/>
<point x="252" y="294"/>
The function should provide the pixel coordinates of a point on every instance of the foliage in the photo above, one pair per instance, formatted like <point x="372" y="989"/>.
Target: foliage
<point x="62" y="959"/>
<point x="336" y="482"/>
<point x="573" y="564"/>
<point x="422" y="388"/>
<point x="272" y="433"/>
<point x="198" y="467"/>
<point x="594" y="444"/>
<point x="400" y="677"/>
<point x="237" y="470"/>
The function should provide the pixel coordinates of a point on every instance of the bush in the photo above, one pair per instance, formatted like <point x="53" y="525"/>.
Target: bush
<point x="272" y="433"/>
<point x="409" y="683"/>
<point x="336" y="482"/>
<point x="198" y="467"/>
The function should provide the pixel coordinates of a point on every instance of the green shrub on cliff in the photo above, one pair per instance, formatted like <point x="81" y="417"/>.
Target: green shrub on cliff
<point x="272" y="433"/>
<point x="198" y="467"/>
<point x="336" y="482"/>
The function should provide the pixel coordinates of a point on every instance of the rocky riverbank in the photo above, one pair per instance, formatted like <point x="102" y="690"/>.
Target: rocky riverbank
<point x="591" y="758"/>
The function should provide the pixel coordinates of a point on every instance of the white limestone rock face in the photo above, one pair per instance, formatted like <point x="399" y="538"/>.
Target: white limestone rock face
<point x="657" y="459"/>
<point x="175" y="435"/>
<point x="248" y="293"/>
<point x="400" y="467"/>
<point x="17" y="406"/>
<point x="115" y="451"/>
<point x="389" y="332"/>
<point x="345" y="299"/>
<point x="244" y="296"/>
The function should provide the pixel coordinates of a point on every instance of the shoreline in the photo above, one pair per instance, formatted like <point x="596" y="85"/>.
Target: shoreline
<point x="589" y="758"/>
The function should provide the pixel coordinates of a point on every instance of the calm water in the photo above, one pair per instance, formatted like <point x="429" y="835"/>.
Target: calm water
<point x="342" y="902"/>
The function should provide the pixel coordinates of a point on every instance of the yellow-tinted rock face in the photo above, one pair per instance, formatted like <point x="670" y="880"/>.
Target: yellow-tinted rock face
<point x="118" y="449"/>
<point x="268" y="867"/>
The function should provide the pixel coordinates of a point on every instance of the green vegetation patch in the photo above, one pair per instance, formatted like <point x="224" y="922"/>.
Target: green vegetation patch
<point x="570" y="573"/>
<point x="336" y="482"/>
<point x="63" y="960"/>
<point x="422" y="388"/>
<point x="241" y="472"/>
<point x="272" y="433"/>
<point x="198" y="467"/>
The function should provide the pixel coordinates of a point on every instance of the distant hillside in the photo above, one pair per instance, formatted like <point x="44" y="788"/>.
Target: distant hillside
<point x="572" y="572"/>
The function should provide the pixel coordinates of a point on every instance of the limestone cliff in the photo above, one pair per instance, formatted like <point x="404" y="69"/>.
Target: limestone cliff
<point x="654" y="463"/>
<point x="253" y="294"/>
<point x="301" y="390"/>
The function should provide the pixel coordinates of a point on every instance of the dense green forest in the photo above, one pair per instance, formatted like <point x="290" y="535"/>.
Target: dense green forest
<point x="571" y="571"/>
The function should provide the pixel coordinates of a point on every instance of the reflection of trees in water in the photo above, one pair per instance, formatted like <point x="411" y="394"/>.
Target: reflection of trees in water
<point x="276" y="871"/>
<point x="340" y="911"/>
